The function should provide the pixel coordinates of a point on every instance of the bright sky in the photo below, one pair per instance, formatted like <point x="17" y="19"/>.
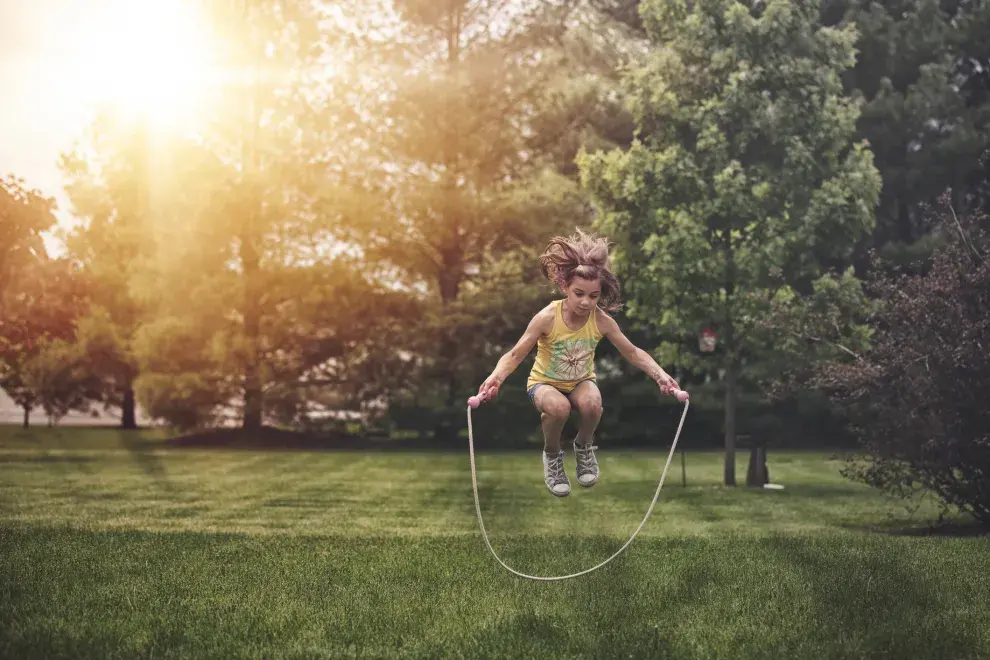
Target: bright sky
<point x="37" y="120"/>
<point x="60" y="58"/>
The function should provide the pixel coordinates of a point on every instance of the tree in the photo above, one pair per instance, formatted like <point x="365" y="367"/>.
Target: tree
<point x="291" y="139"/>
<point x="258" y="296"/>
<point x="115" y="186"/>
<point x="744" y="184"/>
<point x="475" y="167"/>
<point x="204" y="238"/>
<point x="917" y="396"/>
<point x="923" y="72"/>
<point x="39" y="364"/>
<point x="59" y="379"/>
<point x="25" y="215"/>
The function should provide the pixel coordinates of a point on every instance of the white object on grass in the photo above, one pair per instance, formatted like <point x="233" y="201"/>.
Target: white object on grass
<point x="773" y="486"/>
<point x="481" y="522"/>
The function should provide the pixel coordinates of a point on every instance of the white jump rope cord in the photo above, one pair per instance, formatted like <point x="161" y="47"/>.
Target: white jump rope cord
<point x="481" y="522"/>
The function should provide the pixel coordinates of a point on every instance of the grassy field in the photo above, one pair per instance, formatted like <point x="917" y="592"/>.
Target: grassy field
<point x="113" y="546"/>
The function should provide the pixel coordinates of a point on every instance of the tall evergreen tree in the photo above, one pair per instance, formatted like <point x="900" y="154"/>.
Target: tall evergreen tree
<point x="923" y="68"/>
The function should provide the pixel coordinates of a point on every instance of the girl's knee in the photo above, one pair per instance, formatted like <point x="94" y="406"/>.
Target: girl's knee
<point x="557" y="409"/>
<point x="592" y="409"/>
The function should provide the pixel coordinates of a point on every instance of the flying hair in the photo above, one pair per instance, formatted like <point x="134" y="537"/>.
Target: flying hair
<point x="585" y="256"/>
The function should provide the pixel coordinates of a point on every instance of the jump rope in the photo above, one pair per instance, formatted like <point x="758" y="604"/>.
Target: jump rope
<point x="474" y="402"/>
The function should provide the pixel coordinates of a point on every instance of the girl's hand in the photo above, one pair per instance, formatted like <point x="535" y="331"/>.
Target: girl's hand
<point x="667" y="384"/>
<point x="490" y="387"/>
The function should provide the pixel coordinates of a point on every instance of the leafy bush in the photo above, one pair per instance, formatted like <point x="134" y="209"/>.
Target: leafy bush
<point x="918" y="398"/>
<point x="186" y="379"/>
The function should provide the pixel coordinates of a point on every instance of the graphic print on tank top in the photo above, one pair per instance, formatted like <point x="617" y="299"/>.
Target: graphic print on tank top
<point x="571" y="359"/>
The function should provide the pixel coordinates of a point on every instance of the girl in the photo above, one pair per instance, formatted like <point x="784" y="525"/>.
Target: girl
<point x="566" y="333"/>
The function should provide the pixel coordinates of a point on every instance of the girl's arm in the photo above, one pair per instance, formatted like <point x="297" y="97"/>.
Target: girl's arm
<point x="636" y="356"/>
<point x="541" y="324"/>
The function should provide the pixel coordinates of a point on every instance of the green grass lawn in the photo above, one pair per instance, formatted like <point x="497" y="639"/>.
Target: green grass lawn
<point x="112" y="546"/>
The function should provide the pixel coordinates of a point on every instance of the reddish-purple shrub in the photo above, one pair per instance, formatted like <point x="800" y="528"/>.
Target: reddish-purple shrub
<point x="919" y="399"/>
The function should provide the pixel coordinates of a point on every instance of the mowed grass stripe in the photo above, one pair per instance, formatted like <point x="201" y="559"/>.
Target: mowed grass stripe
<point x="138" y="551"/>
<point x="104" y="594"/>
<point x="422" y="494"/>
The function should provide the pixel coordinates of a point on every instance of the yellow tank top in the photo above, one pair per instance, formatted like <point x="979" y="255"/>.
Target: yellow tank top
<point x="565" y="357"/>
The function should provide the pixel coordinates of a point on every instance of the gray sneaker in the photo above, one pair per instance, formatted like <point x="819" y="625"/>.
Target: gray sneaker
<point x="554" y="476"/>
<point x="587" y="464"/>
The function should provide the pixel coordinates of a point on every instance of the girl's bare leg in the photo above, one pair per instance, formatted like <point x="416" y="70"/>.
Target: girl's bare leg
<point x="555" y="409"/>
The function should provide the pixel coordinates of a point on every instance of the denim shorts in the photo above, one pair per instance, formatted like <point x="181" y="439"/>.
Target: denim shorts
<point x="532" y="391"/>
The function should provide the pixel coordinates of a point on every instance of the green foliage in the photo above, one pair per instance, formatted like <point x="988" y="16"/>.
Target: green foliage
<point x="829" y="323"/>
<point x="743" y="187"/>
<point x="221" y="271"/>
<point x="328" y="246"/>
<point x="457" y="184"/>
<point x="36" y="304"/>
<point x="743" y="180"/>
<point x="483" y="322"/>
<point x="473" y="174"/>
<point x="117" y="193"/>
<point x="37" y="323"/>
<point x="59" y="379"/>
<point x="186" y="376"/>
<point x="25" y="214"/>
<point x="922" y="71"/>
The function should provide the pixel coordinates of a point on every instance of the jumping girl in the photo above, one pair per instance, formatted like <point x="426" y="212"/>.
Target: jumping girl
<point x="566" y="333"/>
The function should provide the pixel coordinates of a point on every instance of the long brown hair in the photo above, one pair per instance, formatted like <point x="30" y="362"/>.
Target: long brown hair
<point x="585" y="256"/>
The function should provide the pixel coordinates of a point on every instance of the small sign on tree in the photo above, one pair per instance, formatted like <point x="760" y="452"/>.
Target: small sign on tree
<point x="707" y="340"/>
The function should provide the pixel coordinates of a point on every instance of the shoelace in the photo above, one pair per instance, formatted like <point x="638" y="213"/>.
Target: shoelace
<point x="585" y="455"/>
<point x="556" y="466"/>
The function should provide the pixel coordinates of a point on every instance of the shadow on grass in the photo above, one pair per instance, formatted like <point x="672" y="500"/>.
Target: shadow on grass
<point x="299" y="503"/>
<point x="97" y="497"/>
<point x="47" y="448"/>
<point x="144" y="454"/>
<point x="272" y="439"/>
<point x="533" y="634"/>
<point x="47" y="458"/>
<point x="869" y="596"/>
<point x="266" y="439"/>
<point x="633" y="490"/>
<point x="953" y="529"/>
<point x="592" y="626"/>
<point x="97" y="594"/>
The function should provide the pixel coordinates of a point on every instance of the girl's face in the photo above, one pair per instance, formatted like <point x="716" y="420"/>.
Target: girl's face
<point x="582" y="295"/>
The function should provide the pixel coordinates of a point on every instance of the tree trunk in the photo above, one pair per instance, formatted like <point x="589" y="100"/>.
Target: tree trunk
<point x="451" y="251"/>
<point x="252" y="381"/>
<point x="446" y="429"/>
<point x="128" y="420"/>
<point x="732" y="365"/>
<point x="27" y="416"/>
<point x="250" y="261"/>
<point x="729" y="471"/>
<point x="757" y="475"/>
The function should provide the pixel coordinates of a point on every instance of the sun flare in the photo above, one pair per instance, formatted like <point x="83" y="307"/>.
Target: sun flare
<point x="145" y="59"/>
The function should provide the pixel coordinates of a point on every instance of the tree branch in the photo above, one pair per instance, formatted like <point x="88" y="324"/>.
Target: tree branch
<point x="962" y="234"/>
<point x="826" y="341"/>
